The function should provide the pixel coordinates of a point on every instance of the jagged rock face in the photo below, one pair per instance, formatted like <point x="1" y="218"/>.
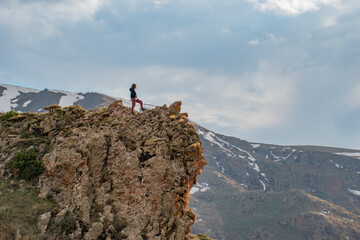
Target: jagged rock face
<point x="120" y="176"/>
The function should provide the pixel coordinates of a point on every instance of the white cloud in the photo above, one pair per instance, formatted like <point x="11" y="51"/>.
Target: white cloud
<point x="254" y="42"/>
<point x="274" y="39"/>
<point x="291" y="7"/>
<point x="354" y="97"/>
<point x="329" y="22"/>
<point x="343" y="8"/>
<point x="25" y="27"/>
<point x="36" y="20"/>
<point x="271" y="38"/>
<point x="71" y="10"/>
<point x="225" y="31"/>
<point x="67" y="10"/>
<point x="161" y="2"/>
<point x="139" y="5"/>
<point x="259" y="99"/>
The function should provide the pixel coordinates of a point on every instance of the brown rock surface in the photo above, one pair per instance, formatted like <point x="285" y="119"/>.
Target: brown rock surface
<point x="117" y="175"/>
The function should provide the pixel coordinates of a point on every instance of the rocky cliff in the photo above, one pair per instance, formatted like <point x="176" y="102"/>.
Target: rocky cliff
<point x="113" y="175"/>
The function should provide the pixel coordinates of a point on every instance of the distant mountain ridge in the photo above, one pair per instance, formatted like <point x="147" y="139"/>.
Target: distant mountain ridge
<point x="243" y="180"/>
<point x="32" y="100"/>
<point x="250" y="190"/>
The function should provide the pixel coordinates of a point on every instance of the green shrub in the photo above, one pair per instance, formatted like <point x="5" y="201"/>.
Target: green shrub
<point x="202" y="237"/>
<point x="26" y="165"/>
<point x="8" y="115"/>
<point x="68" y="225"/>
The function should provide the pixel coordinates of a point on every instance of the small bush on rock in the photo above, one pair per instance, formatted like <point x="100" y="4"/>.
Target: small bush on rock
<point x="26" y="165"/>
<point x="8" y="115"/>
<point x="68" y="225"/>
<point x="202" y="237"/>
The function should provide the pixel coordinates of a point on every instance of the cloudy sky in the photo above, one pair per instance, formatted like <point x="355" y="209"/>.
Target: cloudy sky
<point x="273" y="71"/>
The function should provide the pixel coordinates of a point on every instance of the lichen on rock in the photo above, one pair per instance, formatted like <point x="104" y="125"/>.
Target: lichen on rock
<point x="118" y="176"/>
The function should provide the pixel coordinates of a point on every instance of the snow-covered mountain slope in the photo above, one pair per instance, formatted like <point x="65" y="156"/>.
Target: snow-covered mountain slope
<point x="32" y="100"/>
<point x="235" y="165"/>
<point x="253" y="159"/>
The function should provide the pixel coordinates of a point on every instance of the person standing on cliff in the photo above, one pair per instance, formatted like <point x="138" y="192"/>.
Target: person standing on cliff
<point x="134" y="98"/>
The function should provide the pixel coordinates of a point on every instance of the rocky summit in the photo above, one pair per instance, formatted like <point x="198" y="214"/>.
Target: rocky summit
<point x="108" y="174"/>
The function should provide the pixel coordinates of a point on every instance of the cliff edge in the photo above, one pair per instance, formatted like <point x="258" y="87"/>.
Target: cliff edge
<point x="113" y="175"/>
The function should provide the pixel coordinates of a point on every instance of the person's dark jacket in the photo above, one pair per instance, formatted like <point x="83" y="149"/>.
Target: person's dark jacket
<point x="133" y="93"/>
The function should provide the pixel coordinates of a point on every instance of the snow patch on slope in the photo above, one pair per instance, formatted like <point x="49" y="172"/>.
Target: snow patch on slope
<point x="292" y="151"/>
<point x="210" y="136"/>
<point x="26" y="103"/>
<point x="278" y="158"/>
<point x="347" y="219"/>
<point x="224" y="145"/>
<point x="324" y="212"/>
<point x="257" y="145"/>
<point x="264" y="186"/>
<point x="254" y="166"/>
<point x="8" y="99"/>
<point x="337" y="165"/>
<point x="69" y="98"/>
<point x="355" y="192"/>
<point x="249" y="156"/>
<point x="199" y="187"/>
<point x="350" y="154"/>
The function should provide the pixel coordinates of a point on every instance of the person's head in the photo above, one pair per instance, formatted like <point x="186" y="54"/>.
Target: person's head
<point x="133" y="86"/>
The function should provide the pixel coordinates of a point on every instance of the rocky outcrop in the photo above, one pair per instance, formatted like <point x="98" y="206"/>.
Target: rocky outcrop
<point x="113" y="174"/>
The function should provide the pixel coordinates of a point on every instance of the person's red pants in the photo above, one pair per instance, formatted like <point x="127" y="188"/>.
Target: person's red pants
<point x="134" y="101"/>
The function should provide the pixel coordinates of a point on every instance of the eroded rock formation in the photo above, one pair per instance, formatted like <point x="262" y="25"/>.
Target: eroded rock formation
<point x="113" y="174"/>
